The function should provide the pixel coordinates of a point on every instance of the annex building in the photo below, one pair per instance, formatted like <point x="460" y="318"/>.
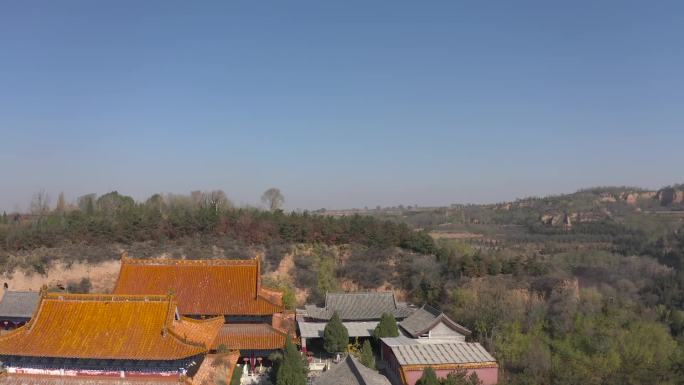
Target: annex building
<point x="360" y="313"/>
<point x="429" y="338"/>
<point x="407" y="358"/>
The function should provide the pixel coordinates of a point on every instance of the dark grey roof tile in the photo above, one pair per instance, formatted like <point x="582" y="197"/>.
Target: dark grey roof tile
<point x="19" y="304"/>
<point x="421" y="320"/>
<point x="351" y="372"/>
<point x="359" y="306"/>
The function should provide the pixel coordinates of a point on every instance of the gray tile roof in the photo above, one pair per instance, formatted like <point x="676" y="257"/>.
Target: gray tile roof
<point x="19" y="304"/>
<point x="441" y="353"/>
<point x="400" y="340"/>
<point x="355" y="328"/>
<point x="425" y="318"/>
<point x="359" y="306"/>
<point x="351" y="372"/>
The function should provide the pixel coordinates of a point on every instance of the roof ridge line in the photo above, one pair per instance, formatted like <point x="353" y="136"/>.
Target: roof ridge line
<point x="190" y="262"/>
<point x="355" y="369"/>
<point x="362" y="292"/>
<point x="95" y="297"/>
<point x="31" y="321"/>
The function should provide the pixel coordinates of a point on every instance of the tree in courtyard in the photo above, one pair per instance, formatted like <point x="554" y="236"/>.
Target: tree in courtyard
<point x="335" y="335"/>
<point x="367" y="357"/>
<point x="429" y="377"/>
<point x="273" y="198"/>
<point x="292" y="367"/>
<point x="387" y="327"/>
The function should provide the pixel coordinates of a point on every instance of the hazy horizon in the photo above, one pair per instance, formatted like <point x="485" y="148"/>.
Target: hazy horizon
<point x="340" y="105"/>
<point x="256" y="201"/>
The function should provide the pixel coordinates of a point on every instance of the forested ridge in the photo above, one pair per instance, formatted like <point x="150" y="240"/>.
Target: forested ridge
<point x="573" y="289"/>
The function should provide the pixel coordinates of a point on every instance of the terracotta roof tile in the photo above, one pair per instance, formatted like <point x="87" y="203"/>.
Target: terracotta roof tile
<point x="202" y="287"/>
<point x="24" y="379"/>
<point x="202" y="331"/>
<point x="108" y="327"/>
<point x="210" y="370"/>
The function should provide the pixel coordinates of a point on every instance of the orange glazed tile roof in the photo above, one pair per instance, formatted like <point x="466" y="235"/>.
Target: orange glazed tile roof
<point x="31" y="379"/>
<point x="202" y="331"/>
<point x="250" y="337"/>
<point x="211" y="367"/>
<point x="202" y="287"/>
<point x="109" y="327"/>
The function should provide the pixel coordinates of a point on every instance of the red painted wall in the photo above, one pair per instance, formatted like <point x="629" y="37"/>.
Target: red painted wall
<point x="488" y="376"/>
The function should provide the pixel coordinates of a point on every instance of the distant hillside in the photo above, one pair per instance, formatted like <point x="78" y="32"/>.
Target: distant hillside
<point x="618" y="204"/>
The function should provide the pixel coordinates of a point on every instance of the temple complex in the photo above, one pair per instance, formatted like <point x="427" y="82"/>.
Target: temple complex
<point x="190" y="322"/>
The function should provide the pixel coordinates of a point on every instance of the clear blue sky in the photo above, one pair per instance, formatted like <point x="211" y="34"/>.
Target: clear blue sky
<point x="339" y="103"/>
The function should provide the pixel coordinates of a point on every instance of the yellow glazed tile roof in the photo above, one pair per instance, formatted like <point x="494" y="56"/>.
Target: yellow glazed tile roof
<point x="109" y="327"/>
<point x="202" y="287"/>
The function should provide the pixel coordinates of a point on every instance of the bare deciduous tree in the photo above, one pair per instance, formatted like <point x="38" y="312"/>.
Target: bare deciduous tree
<point x="273" y="198"/>
<point x="197" y="198"/>
<point x="86" y="203"/>
<point x="40" y="204"/>
<point x="61" y="203"/>
<point x="217" y="199"/>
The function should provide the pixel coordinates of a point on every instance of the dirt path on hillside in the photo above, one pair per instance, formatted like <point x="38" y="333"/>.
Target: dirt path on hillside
<point x="102" y="276"/>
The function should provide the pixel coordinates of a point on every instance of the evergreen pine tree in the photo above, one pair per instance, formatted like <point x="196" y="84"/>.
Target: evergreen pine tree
<point x="367" y="358"/>
<point x="292" y="369"/>
<point x="335" y="335"/>
<point x="387" y="327"/>
<point x="429" y="377"/>
<point x="4" y="217"/>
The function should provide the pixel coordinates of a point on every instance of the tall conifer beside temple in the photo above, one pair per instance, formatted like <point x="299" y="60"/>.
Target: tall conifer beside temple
<point x="335" y="335"/>
<point x="387" y="327"/>
<point x="292" y="369"/>
<point x="367" y="357"/>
